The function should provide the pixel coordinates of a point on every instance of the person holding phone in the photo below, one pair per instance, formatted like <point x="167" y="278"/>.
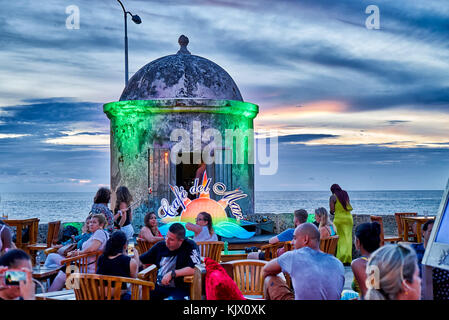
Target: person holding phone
<point x="18" y="262"/>
<point x="122" y="212"/>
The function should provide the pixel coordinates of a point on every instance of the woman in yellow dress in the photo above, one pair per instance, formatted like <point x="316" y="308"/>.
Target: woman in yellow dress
<point x="340" y="206"/>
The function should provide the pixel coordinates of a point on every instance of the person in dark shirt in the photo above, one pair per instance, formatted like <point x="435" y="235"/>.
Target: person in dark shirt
<point x="440" y="277"/>
<point x="175" y="258"/>
<point x="115" y="262"/>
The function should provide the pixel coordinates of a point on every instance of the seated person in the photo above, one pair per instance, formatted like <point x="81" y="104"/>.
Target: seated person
<point x="367" y="240"/>
<point x="115" y="262"/>
<point x="315" y="275"/>
<point x="300" y="217"/>
<point x="54" y="259"/>
<point x="325" y="226"/>
<point x="18" y="260"/>
<point x="203" y="228"/>
<point x="150" y="232"/>
<point x="6" y="242"/>
<point x="393" y="274"/>
<point x="96" y="242"/>
<point x="175" y="258"/>
<point x="440" y="277"/>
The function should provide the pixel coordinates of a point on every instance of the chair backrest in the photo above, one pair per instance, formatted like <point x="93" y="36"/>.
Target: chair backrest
<point x="82" y="262"/>
<point x="270" y="250"/>
<point x="148" y="274"/>
<point x="329" y="245"/>
<point x="143" y="245"/>
<point x="100" y="287"/>
<point x="33" y="228"/>
<point x="379" y="220"/>
<point x="211" y="249"/>
<point x="248" y="276"/>
<point x="400" y="224"/>
<point x="53" y="232"/>
<point x="288" y="246"/>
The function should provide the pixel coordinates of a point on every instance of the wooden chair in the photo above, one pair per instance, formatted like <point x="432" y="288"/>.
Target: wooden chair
<point x="81" y="262"/>
<point x="288" y="246"/>
<point x="384" y="239"/>
<point x="150" y="274"/>
<point x="101" y="287"/>
<point x="52" y="238"/>
<point x="32" y="225"/>
<point x="400" y="224"/>
<point x="248" y="276"/>
<point x="211" y="249"/>
<point x="270" y="250"/>
<point x="329" y="245"/>
<point x="143" y="245"/>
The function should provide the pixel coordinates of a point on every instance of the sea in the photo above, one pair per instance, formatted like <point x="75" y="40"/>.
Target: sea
<point x="74" y="206"/>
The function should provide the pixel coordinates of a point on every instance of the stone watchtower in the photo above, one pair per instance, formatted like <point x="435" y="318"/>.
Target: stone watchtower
<point x="192" y="94"/>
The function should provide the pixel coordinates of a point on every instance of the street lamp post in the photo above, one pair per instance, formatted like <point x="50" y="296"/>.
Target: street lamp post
<point x="136" y="19"/>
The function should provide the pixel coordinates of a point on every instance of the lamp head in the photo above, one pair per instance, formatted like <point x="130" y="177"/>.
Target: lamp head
<point x="136" y="19"/>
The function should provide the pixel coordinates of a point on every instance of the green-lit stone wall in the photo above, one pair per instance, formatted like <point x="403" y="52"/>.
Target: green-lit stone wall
<point x="138" y="125"/>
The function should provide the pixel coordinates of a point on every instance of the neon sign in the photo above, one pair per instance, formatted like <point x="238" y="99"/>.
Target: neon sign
<point x="223" y="225"/>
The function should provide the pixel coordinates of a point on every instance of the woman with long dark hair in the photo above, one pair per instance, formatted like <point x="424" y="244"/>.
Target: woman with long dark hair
<point x="340" y="206"/>
<point x="150" y="232"/>
<point x="115" y="262"/>
<point x="122" y="212"/>
<point x="203" y="228"/>
<point x="367" y="240"/>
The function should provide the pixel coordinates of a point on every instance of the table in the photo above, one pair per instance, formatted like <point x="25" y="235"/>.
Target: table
<point x="43" y="274"/>
<point x="57" y="295"/>
<point x="233" y="255"/>
<point x="419" y="220"/>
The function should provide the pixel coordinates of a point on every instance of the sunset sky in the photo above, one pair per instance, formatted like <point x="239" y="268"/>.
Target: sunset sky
<point x="365" y="108"/>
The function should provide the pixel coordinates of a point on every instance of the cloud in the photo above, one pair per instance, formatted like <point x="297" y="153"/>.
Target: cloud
<point x="68" y="139"/>
<point x="12" y="135"/>
<point x="301" y="138"/>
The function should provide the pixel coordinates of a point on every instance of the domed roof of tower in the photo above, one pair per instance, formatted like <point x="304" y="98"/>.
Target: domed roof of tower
<point x="181" y="75"/>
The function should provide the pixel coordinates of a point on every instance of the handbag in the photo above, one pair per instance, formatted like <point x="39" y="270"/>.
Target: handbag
<point x="64" y="250"/>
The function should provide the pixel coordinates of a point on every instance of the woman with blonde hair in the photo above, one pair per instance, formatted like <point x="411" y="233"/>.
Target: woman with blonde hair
<point x="326" y="228"/>
<point x="96" y="242"/>
<point x="392" y="274"/>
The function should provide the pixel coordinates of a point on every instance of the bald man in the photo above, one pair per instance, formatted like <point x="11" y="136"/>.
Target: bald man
<point x="315" y="275"/>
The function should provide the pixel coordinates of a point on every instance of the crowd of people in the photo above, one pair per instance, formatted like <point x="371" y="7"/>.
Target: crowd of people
<point x="390" y="272"/>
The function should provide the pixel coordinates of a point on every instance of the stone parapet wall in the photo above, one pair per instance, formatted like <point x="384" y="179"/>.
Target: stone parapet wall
<point x="284" y="221"/>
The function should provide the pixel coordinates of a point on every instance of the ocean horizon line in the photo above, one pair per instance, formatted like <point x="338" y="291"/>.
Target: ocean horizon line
<point x="376" y="190"/>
